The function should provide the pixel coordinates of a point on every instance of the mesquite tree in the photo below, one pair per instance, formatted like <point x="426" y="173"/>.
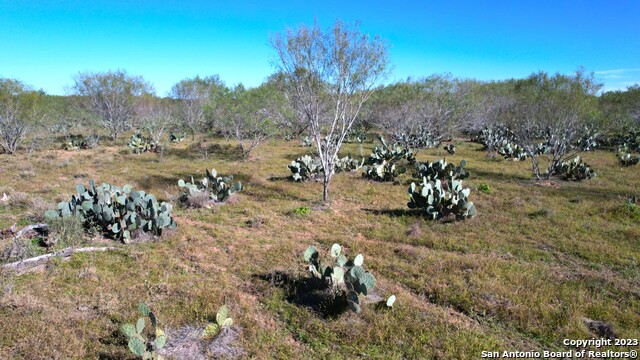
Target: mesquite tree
<point x="329" y="75"/>
<point x="17" y="113"/>
<point x="549" y="114"/>
<point x="111" y="96"/>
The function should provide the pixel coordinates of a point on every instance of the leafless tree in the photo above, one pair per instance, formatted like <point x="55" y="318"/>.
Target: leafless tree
<point x="195" y="96"/>
<point x="18" y="113"/>
<point x="155" y="116"/>
<point x="329" y="76"/>
<point x="111" y="96"/>
<point x="548" y="116"/>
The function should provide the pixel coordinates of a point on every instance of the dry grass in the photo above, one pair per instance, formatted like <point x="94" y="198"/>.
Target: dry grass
<point x="522" y="275"/>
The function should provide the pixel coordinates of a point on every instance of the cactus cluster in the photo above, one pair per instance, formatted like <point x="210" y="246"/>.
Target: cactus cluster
<point x="383" y="171"/>
<point x="420" y="139"/>
<point x="513" y="151"/>
<point x="348" y="163"/>
<point x="393" y="153"/>
<point x="441" y="197"/>
<point x="177" y="138"/>
<point x="625" y="158"/>
<point x="138" y="344"/>
<point x="443" y="181"/>
<point x="118" y="212"/>
<point x="441" y="170"/>
<point x="356" y="135"/>
<point x="451" y="149"/>
<point x="140" y="144"/>
<point x="575" y="170"/>
<point x="306" y="141"/>
<point x="76" y="143"/>
<point x="347" y="277"/>
<point x="306" y="168"/>
<point x="217" y="188"/>
<point x="382" y="163"/>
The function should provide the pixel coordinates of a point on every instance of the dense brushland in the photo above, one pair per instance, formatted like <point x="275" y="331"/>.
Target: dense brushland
<point x="522" y="275"/>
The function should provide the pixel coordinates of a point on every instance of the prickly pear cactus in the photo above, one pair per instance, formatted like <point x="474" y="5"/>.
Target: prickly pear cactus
<point x="76" y="143"/>
<point x="575" y="170"/>
<point x="347" y="164"/>
<point x="141" y="343"/>
<point x="386" y="171"/>
<point x="347" y="277"/>
<point x="119" y="212"/>
<point x="140" y="144"/>
<point x="441" y="170"/>
<point x="306" y="168"/>
<point x="451" y="149"/>
<point x="440" y="198"/>
<point x="625" y="158"/>
<point x="217" y="188"/>
<point x="176" y="137"/>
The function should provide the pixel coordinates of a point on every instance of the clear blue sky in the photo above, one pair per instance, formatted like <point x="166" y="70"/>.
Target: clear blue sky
<point x="44" y="43"/>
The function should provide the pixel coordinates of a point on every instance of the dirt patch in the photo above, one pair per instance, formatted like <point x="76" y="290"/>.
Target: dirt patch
<point x="186" y="343"/>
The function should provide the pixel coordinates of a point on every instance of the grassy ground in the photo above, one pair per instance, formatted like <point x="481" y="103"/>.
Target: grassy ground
<point x="522" y="275"/>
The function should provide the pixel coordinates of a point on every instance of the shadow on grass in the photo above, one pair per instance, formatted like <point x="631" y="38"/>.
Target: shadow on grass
<point x="205" y="150"/>
<point x="396" y="212"/>
<point x="311" y="293"/>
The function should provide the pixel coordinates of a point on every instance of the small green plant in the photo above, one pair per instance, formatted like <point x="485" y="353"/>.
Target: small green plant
<point x="347" y="278"/>
<point x="483" y="188"/>
<point x="141" y="343"/>
<point x="222" y="320"/>
<point x="347" y="164"/>
<point x="301" y="211"/>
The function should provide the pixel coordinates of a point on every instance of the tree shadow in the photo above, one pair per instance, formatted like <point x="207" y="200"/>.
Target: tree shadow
<point x="312" y="293"/>
<point x="396" y="212"/>
<point x="205" y="150"/>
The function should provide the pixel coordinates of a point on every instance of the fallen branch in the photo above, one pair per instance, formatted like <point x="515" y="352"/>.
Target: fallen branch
<point x="26" y="229"/>
<point x="26" y="264"/>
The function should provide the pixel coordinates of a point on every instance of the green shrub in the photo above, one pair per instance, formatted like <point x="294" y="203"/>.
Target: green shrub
<point x="64" y="231"/>
<point x="484" y="188"/>
<point x="301" y="211"/>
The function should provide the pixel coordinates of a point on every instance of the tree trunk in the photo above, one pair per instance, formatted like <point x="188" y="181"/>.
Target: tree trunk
<point x="325" y="193"/>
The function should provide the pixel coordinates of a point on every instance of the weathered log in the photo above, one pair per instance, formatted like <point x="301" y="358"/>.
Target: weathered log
<point x="26" y="264"/>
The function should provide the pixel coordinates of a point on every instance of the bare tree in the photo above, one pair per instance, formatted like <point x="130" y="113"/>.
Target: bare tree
<point x="549" y="114"/>
<point x="329" y="76"/>
<point x="248" y="116"/>
<point x="194" y="96"/>
<point x="18" y="113"/>
<point x="111" y="96"/>
<point x="155" y="116"/>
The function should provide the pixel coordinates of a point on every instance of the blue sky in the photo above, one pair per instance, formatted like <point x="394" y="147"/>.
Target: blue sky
<point x="44" y="43"/>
